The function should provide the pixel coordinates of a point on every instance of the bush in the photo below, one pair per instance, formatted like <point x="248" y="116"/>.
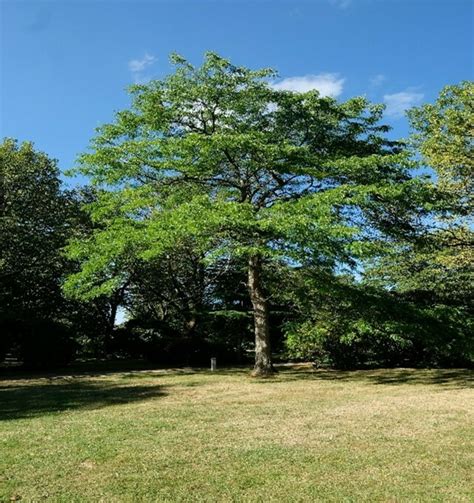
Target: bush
<point x="45" y="344"/>
<point x="429" y="341"/>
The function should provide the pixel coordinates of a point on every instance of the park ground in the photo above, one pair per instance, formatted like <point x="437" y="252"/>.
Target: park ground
<point x="192" y="435"/>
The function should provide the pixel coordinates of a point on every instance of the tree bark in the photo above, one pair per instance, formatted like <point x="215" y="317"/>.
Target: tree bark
<point x="263" y="355"/>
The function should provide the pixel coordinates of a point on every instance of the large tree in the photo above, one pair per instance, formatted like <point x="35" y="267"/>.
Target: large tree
<point x="35" y="218"/>
<point x="435" y="269"/>
<point x="216" y="156"/>
<point x="442" y="134"/>
<point x="33" y="227"/>
<point x="441" y="260"/>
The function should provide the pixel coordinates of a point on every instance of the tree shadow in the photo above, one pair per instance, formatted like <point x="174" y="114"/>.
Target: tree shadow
<point x="449" y="378"/>
<point x="93" y="368"/>
<point x="32" y="400"/>
<point x="53" y="394"/>
<point x="126" y="369"/>
<point x="460" y="378"/>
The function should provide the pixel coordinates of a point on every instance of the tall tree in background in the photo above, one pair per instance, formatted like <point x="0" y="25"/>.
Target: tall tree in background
<point x="441" y="260"/>
<point x="216" y="156"/>
<point x="37" y="217"/>
<point x="33" y="227"/>
<point x="443" y="133"/>
<point x="436" y="270"/>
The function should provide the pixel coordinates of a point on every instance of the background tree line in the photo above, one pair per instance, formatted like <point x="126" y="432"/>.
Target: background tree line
<point x="235" y="220"/>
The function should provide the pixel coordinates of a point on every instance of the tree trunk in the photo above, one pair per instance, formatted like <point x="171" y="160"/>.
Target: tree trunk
<point x="263" y="355"/>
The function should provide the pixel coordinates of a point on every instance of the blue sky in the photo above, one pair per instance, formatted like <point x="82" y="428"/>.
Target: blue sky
<point x="65" y="64"/>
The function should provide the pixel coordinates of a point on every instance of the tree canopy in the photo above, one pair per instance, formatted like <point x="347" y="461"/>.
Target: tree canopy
<point x="214" y="154"/>
<point x="33" y="226"/>
<point x="229" y="217"/>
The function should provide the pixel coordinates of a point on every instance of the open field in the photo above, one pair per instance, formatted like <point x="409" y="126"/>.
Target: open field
<point x="183" y="435"/>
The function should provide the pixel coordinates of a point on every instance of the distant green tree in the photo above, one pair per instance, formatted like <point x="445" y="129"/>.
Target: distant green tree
<point x="443" y="134"/>
<point x="441" y="259"/>
<point x="436" y="269"/>
<point x="215" y="155"/>
<point x="33" y="228"/>
<point x="37" y="217"/>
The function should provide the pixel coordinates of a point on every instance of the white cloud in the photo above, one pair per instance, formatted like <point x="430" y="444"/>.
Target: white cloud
<point x="397" y="103"/>
<point x="377" y="80"/>
<point x="138" y="65"/>
<point x="340" y="4"/>
<point x="137" y="68"/>
<point x="328" y="84"/>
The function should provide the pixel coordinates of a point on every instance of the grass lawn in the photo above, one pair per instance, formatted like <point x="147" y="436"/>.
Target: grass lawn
<point x="183" y="435"/>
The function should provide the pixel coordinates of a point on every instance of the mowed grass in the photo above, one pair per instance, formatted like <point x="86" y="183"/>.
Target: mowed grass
<point x="184" y="435"/>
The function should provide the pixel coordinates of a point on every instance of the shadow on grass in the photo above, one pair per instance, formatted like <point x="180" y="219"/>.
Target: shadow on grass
<point x="57" y="393"/>
<point x="92" y="368"/>
<point x="98" y="368"/>
<point x="451" y="378"/>
<point x="26" y="401"/>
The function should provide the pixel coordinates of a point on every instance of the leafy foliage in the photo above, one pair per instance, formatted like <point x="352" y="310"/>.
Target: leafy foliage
<point x="214" y="185"/>
<point x="216" y="156"/>
<point x="37" y="323"/>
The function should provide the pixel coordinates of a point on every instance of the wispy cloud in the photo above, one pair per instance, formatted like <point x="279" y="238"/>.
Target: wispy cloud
<point x="398" y="103"/>
<point x="328" y="84"/>
<point x="138" y="66"/>
<point x="377" y="80"/>
<point x="340" y="4"/>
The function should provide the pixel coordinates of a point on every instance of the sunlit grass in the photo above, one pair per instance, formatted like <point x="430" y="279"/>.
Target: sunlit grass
<point x="386" y="435"/>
